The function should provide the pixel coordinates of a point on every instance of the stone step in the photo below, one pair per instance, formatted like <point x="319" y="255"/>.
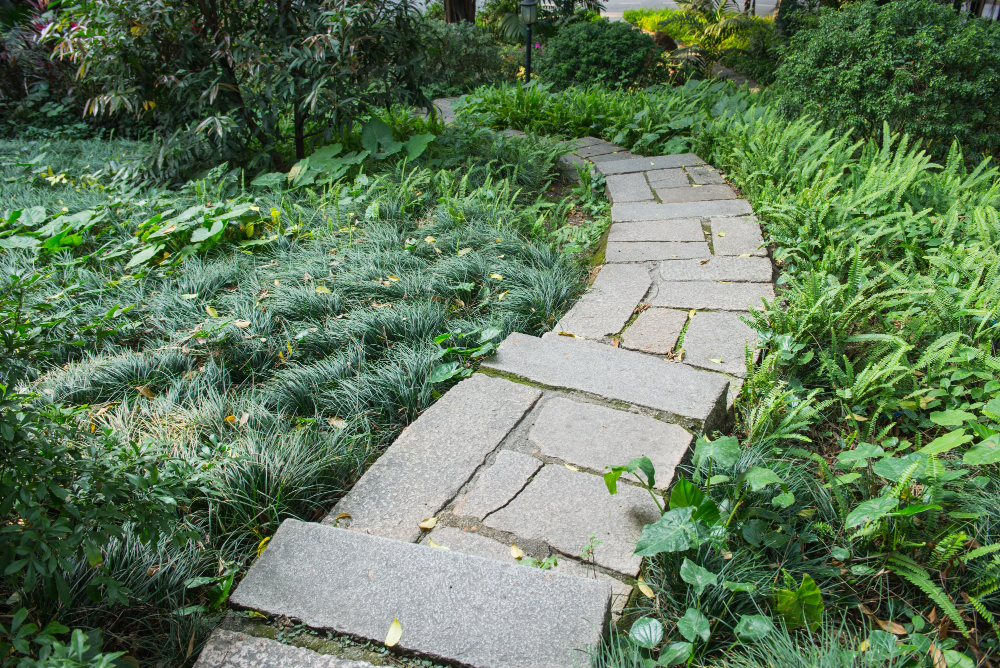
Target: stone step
<point x="639" y="164"/>
<point x="630" y="211"/>
<point x="677" y="229"/>
<point x="681" y="393"/>
<point x="608" y="304"/>
<point x="712" y="295"/>
<point x="232" y="649"/>
<point x="452" y="606"/>
<point x="647" y="251"/>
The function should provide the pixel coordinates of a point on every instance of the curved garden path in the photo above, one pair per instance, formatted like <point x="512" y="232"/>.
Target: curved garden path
<point x="509" y="461"/>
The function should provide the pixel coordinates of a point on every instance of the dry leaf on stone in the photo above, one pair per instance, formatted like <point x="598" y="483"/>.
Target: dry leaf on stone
<point x="705" y="261"/>
<point x="433" y="544"/>
<point x="342" y="516"/>
<point x="428" y="523"/>
<point x="567" y="334"/>
<point x="722" y="234"/>
<point x="394" y="634"/>
<point x="516" y="552"/>
<point x="715" y="361"/>
<point x="571" y="468"/>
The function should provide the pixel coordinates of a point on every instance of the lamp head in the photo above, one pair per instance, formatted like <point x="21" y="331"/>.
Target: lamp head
<point x="529" y="11"/>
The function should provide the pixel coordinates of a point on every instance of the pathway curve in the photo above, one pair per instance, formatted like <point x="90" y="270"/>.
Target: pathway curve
<point x="509" y="461"/>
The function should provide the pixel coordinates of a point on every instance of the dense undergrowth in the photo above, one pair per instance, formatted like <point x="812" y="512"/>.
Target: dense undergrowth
<point x="849" y="520"/>
<point x="249" y="368"/>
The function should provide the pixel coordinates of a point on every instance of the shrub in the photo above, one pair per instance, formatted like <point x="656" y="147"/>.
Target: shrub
<point x="913" y="64"/>
<point x="614" y="54"/>
<point x="460" y="56"/>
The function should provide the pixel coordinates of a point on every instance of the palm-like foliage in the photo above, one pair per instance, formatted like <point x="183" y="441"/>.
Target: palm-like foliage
<point x="710" y="22"/>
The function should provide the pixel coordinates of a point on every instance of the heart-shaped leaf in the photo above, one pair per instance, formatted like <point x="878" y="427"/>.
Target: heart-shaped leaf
<point x="696" y="576"/>
<point x="646" y="632"/>
<point x="753" y="627"/>
<point x="694" y="625"/>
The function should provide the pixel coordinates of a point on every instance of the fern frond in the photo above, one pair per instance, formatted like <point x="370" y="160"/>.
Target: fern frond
<point x="981" y="552"/>
<point x="984" y="613"/>
<point x="904" y="568"/>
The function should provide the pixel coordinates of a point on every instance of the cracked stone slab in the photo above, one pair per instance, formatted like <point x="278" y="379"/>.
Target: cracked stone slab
<point x="719" y="268"/>
<point x="564" y="508"/>
<point x="655" y="331"/>
<point x="696" y="397"/>
<point x="434" y="457"/>
<point x="610" y="157"/>
<point x="705" y="175"/>
<point x="595" y="437"/>
<point x="712" y="295"/>
<point x="452" y="606"/>
<point x="583" y="142"/>
<point x="649" y="164"/>
<point x="231" y="649"/>
<point x="668" y="178"/>
<point x="677" y="229"/>
<point x="737" y="236"/>
<point x="630" y="211"/>
<point x="629" y="188"/>
<point x="608" y="305"/>
<point x="691" y="194"/>
<point x="645" y="251"/>
<point x="600" y="147"/>
<point x="498" y="484"/>
<point x="716" y="340"/>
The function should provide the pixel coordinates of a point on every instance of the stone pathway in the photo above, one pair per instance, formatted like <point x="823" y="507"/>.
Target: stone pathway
<point x="509" y="461"/>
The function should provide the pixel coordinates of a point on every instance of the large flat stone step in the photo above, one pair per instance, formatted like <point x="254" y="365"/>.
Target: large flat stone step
<point x="452" y="606"/>
<point x="232" y="649"/>
<point x="696" y="398"/>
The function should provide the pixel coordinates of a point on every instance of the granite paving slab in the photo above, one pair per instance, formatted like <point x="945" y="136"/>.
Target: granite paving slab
<point x="692" y="194"/>
<point x="693" y="397"/>
<point x="231" y="649"/>
<point x="612" y="157"/>
<point x="599" y="147"/>
<point x="498" y="484"/>
<point x="716" y="340"/>
<point x="719" y="268"/>
<point x="452" y="606"/>
<point x="677" y="229"/>
<point x="434" y="457"/>
<point x="565" y="508"/>
<point x="608" y="305"/>
<point x="646" y="251"/>
<point x="628" y="188"/>
<point x="655" y="331"/>
<point x="668" y="178"/>
<point x="737" y="236"/>
<point x="705" y="175"/>
<point x="711" y="295"/>
<point x="568" y="164"/>
<point x="595" y="437"/>
<point x="583" y="142"/>
<point x="639" y="164"/>
<point x="630" y="211"/>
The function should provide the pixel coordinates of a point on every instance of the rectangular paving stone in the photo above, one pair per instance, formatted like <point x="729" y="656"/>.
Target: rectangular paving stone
<point x="668" y="178"/>
<point x="691" y="194"/>
<point x="594" y="437"/>
<point x="612" y="157"/>
<point x="628" y="188"/>
<point x="599" y="147"/>
<point x="712" y="295"/>
<point x="654" y="331"/>
<point x="692" y="396"/>
<point x="608" y="304"/>
<point x="677" y="229"/>
<point x="645" y="251"/>
<point x="231" y="649"/>
<point x="737" y="236"/>
<point x="498" y="484"/>
<point x="434" y="457"/>
<point x="452" y="606"/>
<point x="719" y="268"/>
<point x="705" y="175"/>
<point x="649" y="164"/>
<point x="569" y="162"/>
<point x="583" y="142"/>
<point x="716" y="340"/>
<point x="564" y="508"/>
<point x="629" y="211"/>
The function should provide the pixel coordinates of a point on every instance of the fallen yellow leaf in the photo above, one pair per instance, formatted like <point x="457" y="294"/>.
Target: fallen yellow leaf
<point x="262" y="545"/>
<point x="242" y="324"/>
<point x="496" y="276"/>
<point x="428" y="523"/>
<point x="722" y="234"/>
<point x="146" y="392"/>
<point x="231" y="419"/>
<point x="716" y="361"/>
<point x="211" y="311"/>
<point x="646" y="590"/>
<point x="429" y="239"/>
<point x="500" y="298"/>
<point x="691" y="313"/>
<point x="244" y="418"/>
<point x="337" y="422"/>
<point x="464" y="251"/>
<point x="433" y="544"/>
<point x="571" y="468"/>
<point x="859" y="418"/>
<point x="864" y="646"/>
<point x="323" y="289"/>
<point x="516" y="552"/>
<point x="190" y="296"/>
<point x="394" y="634"/>
<point x="342" y="516"/>
<point x="567" y="334"/>
<point x="394" y="278"/>
<point x="277" y="282"/>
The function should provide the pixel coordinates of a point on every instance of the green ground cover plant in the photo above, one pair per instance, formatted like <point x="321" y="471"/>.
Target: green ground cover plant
<point x="847" y="520"/>
<point x="170" y="408"/>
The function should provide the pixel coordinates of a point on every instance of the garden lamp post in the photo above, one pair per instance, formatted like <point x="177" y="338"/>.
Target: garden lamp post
<point x="529" y="14"/>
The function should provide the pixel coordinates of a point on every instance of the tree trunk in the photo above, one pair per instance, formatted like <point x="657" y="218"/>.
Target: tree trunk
<point x="460" y="10"/>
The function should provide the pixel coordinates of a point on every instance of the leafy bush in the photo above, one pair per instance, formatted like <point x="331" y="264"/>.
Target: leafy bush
<point x="614" y="54"/>
<point x="461" y="56"/>
<point x="916" y="65"/>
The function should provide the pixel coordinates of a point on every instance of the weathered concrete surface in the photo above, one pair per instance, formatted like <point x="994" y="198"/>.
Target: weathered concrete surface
<point x="646" y="251"/>
<point x="677" y="229"/>
<point x="628" y="188"/>
<point x="599" y="147"/>
<point x="230" y="649"/>
<point x="434" y="457"/>
<point x="705" y="175"/>
<point x="690" y="194"/>
<point x="595" y="437"/>
<point x="583" y="142"/>
<point x="612" y="157"/>
<point x="451" y="606"/>
<point x="498" y="484"/>
<point x="712" y="295"/>
<point x="719" y="268"/>
<point x="608" y="305"/>
<point x="668" y="178"/>
<point x="716" y="340"/>
<point x="564" y="508"/>
<point x="628" y="211"/>
<point x="737" y="236"/>
<point x="655" y="330"/>
<point x="696" y="397"/>
<point x="649" y="164"/>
